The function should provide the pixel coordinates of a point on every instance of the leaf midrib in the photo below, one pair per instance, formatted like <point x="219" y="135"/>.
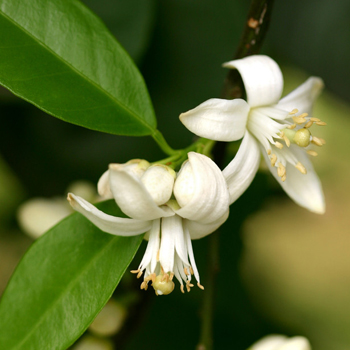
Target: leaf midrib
<point x="92" y="82"/>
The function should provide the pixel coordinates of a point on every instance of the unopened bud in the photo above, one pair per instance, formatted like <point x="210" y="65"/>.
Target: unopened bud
<point x="92" y="343"/>
<point x="184" y="187"/>
<point x="159" y="182"/>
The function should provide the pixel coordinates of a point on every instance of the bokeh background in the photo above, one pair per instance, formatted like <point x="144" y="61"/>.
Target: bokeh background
<point x="282" y="269"/>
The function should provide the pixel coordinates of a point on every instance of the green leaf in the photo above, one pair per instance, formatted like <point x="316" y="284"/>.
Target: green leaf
<point x="59" y="56"/>
<point x="62" y="283"/>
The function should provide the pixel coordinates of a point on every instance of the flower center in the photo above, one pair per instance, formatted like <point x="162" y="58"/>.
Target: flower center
<point x="290" y="129"/>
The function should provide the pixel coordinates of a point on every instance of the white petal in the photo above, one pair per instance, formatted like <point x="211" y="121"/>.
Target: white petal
<point x="270" y="342"/>
<point x="262" y="78"/>
<point x="167" y="244"/>
<point x="241" y="171"/>
<point x="132" y="197"/>
<point x="218" y="119"/>
<point x="180" y="242"/>
<point x="103" y="187"/>
<point x="191" y="255"/>
<point x="302" y="97"/>
<point x="150" y="256"/>
<point x="305" y="190"/>
<point x="159" y="182"/>
<point x="210" y="199"/>
<point x="198" y="230"/>
<point x="108" y="223"/>
<point x="296" y="343"/>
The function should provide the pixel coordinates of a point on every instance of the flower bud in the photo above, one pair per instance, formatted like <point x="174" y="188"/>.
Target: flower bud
<point x="184" y="187"/>
<point x="92" y="343"/>
<point x="159" y="182"/>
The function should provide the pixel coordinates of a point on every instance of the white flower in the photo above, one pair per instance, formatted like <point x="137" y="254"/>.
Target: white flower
<point x="281" y="342"/>
<point x="145" y="193"/>
<point x="279" y="128"/>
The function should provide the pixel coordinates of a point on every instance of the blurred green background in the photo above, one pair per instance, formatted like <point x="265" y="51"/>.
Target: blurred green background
<point x="287" y="271"/>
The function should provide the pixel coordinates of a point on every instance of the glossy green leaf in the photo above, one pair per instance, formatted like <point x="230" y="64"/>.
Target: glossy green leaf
<point x="59" y="56"/>
<point x="62" y="283"/>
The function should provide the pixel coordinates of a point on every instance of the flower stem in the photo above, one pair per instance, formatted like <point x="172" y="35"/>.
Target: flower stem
<point x="159" y="138"/>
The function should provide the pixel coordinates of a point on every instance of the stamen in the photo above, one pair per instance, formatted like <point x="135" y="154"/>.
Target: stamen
<point x="185" y="270"/>
<point x="182" y="288"/>
<point x="278" y="145"/>
<point x="200" y="286"/>
<point x="269" y="152"/>
<point x="281" y="170"/>
<point x="321" y="123"/>
<point x="158" y="255"/>
<point x="291" y="126"/>
<point x="273" y="160"/>
<point x="315" y="119"/>
<point x="294" y="111"/>
<point x="308" y="124"/>
<point x="301" y="168"/>
<point x="139" y="274"/>
<point x="191" y="270"/>
<point x="165" y="278"/>
<point x="299" y="120"/>
<point x="151" y="277"/>
<point x="135" y="271"/>
<point x="322" y="140"/>
<point x="283" y="178"/>
<point x="286" y="140"/>
<point x="171" y="277"/>
<point x="312" y="153"/>
<point x="316" y="141"/>
<point x="303" y="115"/>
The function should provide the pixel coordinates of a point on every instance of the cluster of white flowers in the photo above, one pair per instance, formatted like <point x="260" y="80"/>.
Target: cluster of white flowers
<point x="175" y="208"/>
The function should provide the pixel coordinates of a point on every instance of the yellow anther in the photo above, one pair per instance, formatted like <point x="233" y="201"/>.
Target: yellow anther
<point x="316" y="141"/>
<point x="200" y="286"/>
<point x="135" y="271"/>
<point x="283" y="178"/>
<point x="301" y="168"/>
<point x="165" y="277"/>
<point x="321" y="123"/>
<point x="291" y="126"/>
<point x="315" y="119"/>
<point x="182" y="288"/>
<point x="299" y="120"/>
<point x="186" y="271"/>
<point x="312" y="153"/>
<point x="191" y="270"/>
<point x="171" y="277"/>
<point x="286" y="140"/>
<point x="278" y="145"/>
<point x="281" y="170"/>
<point x="323" y="141"/>
<point x="294" y="111"/>
<point x="269" y="152"/>
<point x="151" y="277"/>
<point x="303" y="115"/>
<point x="158" y="255"/>
<point x="308" y="124"/>
<point x="273" y="159"/>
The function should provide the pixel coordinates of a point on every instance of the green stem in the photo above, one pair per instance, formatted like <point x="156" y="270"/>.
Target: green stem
<point x="159" y="138"/>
